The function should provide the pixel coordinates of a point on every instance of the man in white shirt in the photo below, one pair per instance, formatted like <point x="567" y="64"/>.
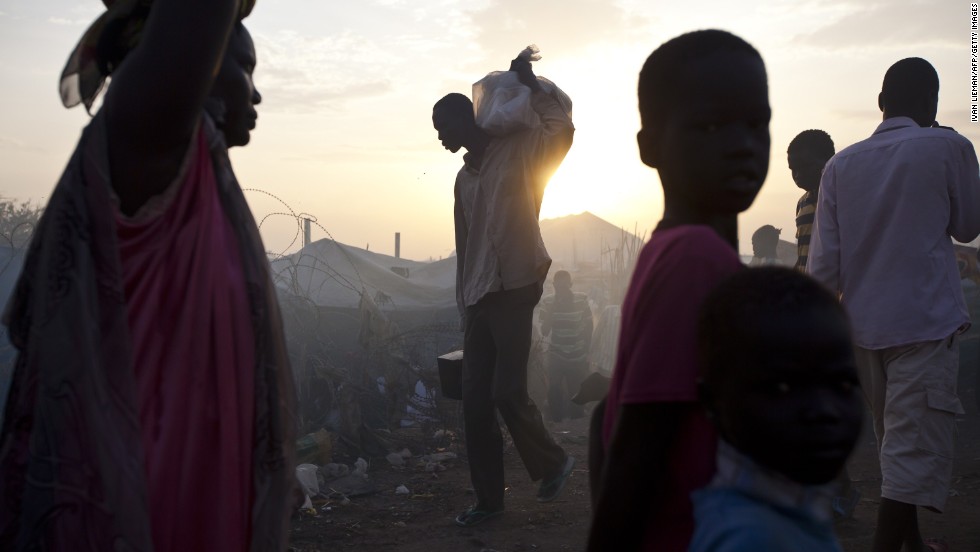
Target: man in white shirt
<point x="887" y="208"/>
<point x="501" y="265"/>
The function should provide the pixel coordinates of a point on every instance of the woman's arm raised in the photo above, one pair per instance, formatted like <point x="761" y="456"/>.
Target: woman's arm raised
<point x="155" y="99"/>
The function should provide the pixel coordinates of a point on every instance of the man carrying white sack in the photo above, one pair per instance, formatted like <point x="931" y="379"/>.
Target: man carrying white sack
<point x="515" y="137"/>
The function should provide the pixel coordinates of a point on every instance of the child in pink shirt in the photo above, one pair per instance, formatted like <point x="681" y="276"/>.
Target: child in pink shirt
<point x="710" y="145"/>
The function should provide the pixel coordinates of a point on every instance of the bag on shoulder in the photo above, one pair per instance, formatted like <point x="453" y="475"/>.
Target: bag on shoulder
<point x="502" y="105"/>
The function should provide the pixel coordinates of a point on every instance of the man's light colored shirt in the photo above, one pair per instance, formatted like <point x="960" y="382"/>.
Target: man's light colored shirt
<point x="498" y="241"/>
<point x="887" y="208"/>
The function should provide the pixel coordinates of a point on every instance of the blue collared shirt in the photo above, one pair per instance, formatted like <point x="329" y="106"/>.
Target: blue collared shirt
<point x="748" y="508"/>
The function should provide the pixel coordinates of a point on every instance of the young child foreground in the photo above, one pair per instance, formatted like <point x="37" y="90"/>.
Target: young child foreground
<point x="781" y="387"/>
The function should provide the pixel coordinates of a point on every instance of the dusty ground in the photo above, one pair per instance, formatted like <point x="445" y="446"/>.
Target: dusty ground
<point x="422" y="520"/>
<point x="959" y="526"/>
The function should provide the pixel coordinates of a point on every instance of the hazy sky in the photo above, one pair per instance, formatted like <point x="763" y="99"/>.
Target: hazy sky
<point x="345" y="132"/>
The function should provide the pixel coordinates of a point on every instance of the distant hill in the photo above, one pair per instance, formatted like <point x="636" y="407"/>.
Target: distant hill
<point x="576" y="239"/>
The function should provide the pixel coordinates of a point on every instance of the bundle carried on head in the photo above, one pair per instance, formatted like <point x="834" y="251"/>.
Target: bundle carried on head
<point x="104" y="46"/>
<point x="502" y="104"/>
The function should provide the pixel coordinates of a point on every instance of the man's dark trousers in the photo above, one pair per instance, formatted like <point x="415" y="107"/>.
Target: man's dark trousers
<point x="496" y="348"/>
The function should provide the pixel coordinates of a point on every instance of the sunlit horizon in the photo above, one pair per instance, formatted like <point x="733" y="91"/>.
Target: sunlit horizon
<point x="344" y="132"/>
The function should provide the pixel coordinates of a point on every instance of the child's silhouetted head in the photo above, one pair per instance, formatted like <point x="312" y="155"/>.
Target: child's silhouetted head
<point x="704" y="107"/>
<point x="562" y="281"/>
<point x="765" y="241"/>
<point x="807" y="154"/>
<point x="779" y="378"/>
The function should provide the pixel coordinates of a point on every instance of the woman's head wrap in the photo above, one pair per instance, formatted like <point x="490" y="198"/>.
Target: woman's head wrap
<point x="104" y="46"/>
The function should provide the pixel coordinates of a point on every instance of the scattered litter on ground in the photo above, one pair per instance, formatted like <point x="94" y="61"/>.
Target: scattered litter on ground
<point x="433" y="467"/>
<point x="352" y="486"/>
<point x="439" y="457"/>
<point x="361" y="467"/>
<point x="395" y="459"/>
<point x="306" y="476"/>
<point x="334" y="471"/>
<point x="314" y="448"/>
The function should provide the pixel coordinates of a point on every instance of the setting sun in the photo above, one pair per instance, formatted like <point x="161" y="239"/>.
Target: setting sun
<point x="601" y="168"/>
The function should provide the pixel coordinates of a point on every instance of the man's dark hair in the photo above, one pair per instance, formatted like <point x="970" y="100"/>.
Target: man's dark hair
<point x="814" y="140"/>
<point x="659" y="78"/>
<point x="455" y="102"/>
<point x="907" y="83"/>
<point x="737" y="307"/>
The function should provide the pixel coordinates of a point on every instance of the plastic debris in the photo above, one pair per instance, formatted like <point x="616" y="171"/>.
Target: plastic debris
<point x="361" y="467"/>
<point x="439" y="457"/>
<point x="395" y="459"/>
<point x="351" y="486"/>
<point x="433" y="467"/>
<point x="402" y="490"/>
<point x="306" y="475"/>
<point x="314" y="447"/>
<point x="334" y="471"/>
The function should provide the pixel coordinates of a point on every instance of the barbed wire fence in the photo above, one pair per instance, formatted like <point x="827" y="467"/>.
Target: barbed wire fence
<point x="362" y="388"/>
<point x="368" y="375"/>
<point x="17" y="224"/>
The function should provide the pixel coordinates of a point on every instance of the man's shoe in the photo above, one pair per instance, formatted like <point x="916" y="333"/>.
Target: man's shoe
<point x="551" y="488"/>
<point x="475" y="516"/>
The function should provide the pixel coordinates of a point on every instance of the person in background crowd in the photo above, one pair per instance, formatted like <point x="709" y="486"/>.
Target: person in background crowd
<point x="566" y="319"/>
<point x="807" y="154"/>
